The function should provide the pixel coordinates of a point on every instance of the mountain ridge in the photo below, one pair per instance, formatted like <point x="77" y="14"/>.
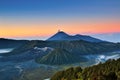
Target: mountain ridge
<point x="11" y="43"/>
<point x="62" y="36"/>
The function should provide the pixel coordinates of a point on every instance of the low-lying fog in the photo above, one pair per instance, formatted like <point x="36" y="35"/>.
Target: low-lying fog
<point x="6" y="50"/>
<point x="103" y="57"/>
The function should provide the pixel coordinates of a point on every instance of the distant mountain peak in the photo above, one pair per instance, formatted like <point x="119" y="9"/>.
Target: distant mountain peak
<point x="61" y="32"/>
<point x="58" y="36"/>
<point x="62" y="36"/>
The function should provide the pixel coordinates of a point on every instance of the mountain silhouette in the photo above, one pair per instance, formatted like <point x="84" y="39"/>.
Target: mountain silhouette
<point x="62" y="36"/>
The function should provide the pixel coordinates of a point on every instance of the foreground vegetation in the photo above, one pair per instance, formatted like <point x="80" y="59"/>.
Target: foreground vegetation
<point x="103" y="71"/>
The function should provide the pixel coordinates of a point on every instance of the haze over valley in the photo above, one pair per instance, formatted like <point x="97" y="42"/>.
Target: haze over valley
<point x="58" y="52"/>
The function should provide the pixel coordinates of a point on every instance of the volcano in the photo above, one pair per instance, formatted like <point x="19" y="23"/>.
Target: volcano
<point x="62" y="36"/>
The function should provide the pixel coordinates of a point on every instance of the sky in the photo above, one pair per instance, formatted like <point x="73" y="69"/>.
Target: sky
<point x="39" y="19"/>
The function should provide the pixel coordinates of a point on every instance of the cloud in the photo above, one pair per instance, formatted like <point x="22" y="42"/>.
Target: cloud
<point x="113" y="37"/>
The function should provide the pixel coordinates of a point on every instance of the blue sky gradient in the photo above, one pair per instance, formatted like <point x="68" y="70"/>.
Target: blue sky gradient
<point x="61" y="12"/>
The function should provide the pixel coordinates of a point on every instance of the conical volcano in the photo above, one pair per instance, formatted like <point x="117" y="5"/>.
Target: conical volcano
<point x="59" y="56"/>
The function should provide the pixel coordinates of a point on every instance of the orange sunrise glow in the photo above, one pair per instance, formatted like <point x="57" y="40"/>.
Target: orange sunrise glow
<point x="28" y="30"/>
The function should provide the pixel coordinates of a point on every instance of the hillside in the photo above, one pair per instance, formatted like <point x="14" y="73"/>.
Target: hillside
<point x="70" y="49"/>
<point x="106" y="71"/>
<point x="76" y="47"/>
